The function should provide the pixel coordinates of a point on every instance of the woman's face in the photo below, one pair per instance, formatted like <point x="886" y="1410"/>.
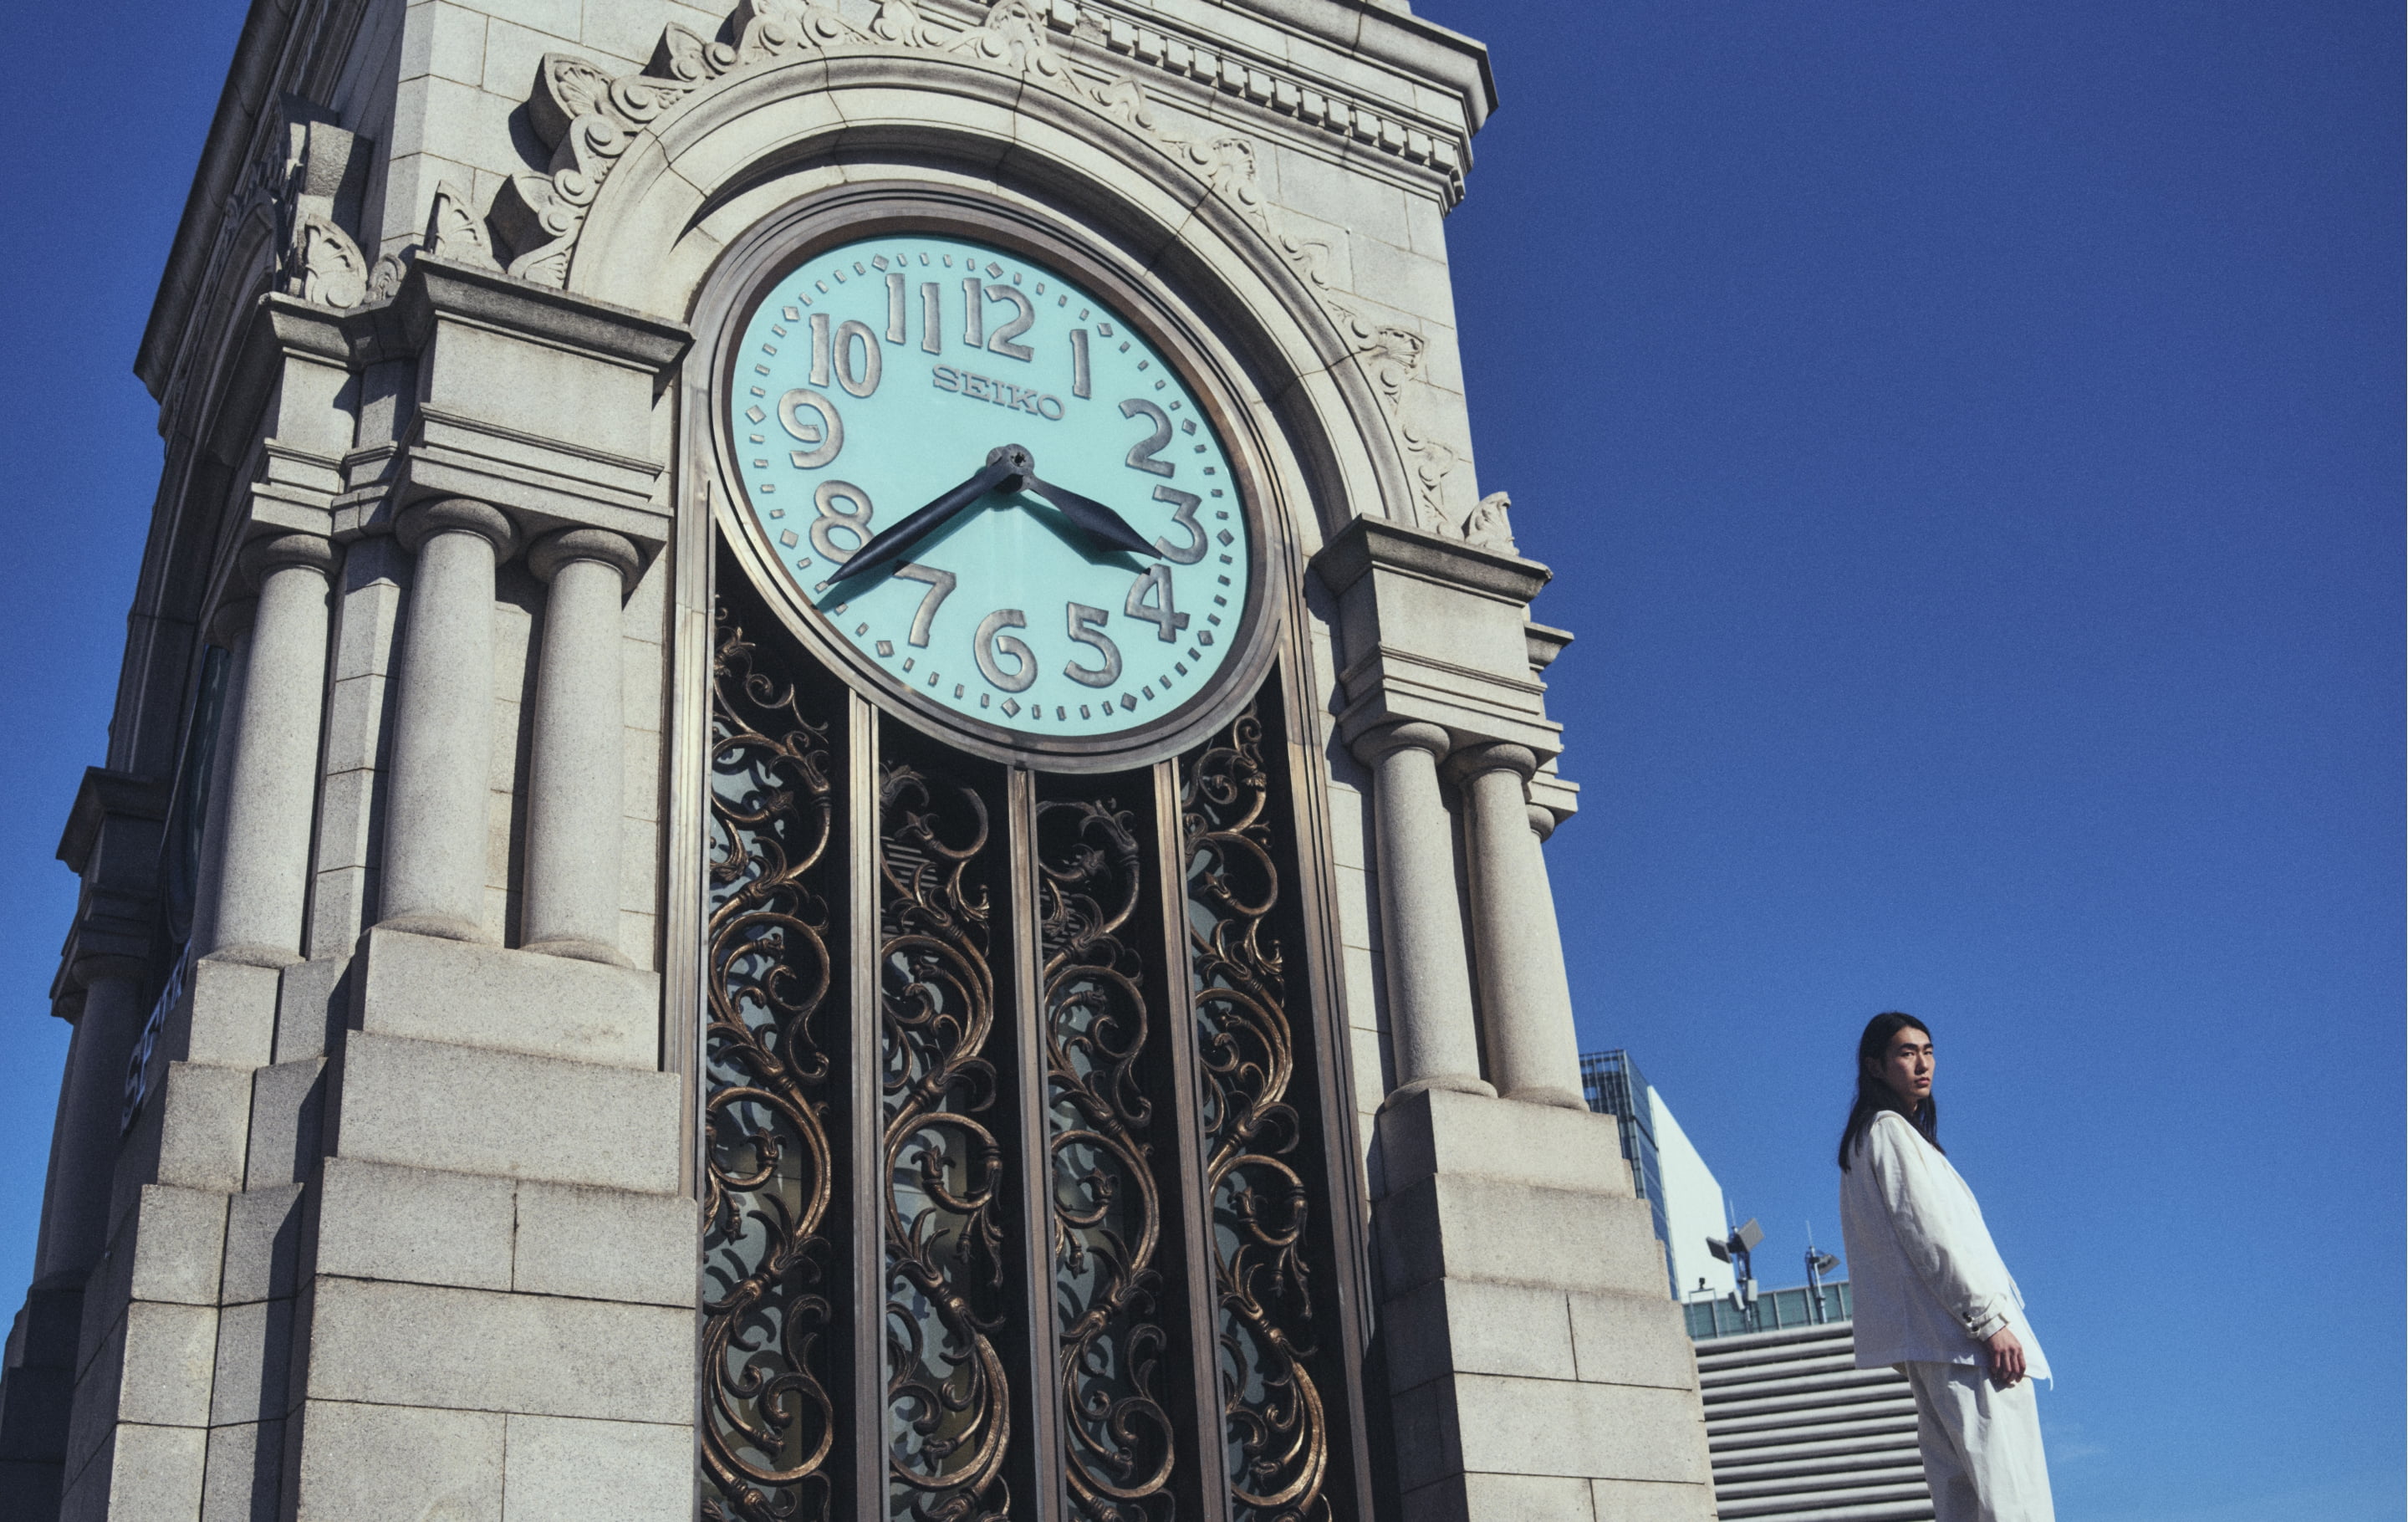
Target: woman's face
<point x="1906" y="1066"/>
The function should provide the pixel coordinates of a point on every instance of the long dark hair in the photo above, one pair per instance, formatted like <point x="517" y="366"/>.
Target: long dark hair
<point x="1873" y="1093"/>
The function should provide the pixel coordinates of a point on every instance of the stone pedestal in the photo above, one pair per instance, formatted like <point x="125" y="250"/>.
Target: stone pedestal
<point x="1536" y="1371"/>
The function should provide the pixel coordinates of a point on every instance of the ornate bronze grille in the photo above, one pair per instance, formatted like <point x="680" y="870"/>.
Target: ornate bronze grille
<point x="770" y="1420"/>
<point x="1019" y="1154"/>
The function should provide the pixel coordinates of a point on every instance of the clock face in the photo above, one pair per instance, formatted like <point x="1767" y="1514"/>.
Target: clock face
<point x="878" y="378"/>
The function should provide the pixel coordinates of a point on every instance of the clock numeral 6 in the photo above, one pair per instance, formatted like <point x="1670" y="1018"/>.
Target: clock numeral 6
<point x="991" y="642"/>
<point x="832" y="518"/>
<point x="1086" y="628"/>
<point x="827" y="433"/>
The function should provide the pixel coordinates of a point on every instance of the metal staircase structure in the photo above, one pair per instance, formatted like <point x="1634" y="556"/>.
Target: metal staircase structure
<point x="1799" y="1434"/>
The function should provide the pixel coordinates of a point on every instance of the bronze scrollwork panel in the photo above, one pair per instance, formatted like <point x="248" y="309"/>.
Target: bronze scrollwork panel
<point x="951" y="1285"/>
<point x="1259" y="1153"/>
<point x="1104" y="1060"/>
<point x="771" y="1276"/>
<point x="1016" y="1154"/>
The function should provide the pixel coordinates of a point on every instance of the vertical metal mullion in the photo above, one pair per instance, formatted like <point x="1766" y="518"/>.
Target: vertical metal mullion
<point x="1319" y="1014"/>
<point x="866" y="1114"/>
<point x="1041" y="1418"/>
<point x="1206" y="1440"/>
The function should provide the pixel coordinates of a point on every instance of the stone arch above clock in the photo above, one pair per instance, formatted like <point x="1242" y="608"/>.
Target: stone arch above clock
<point x="656" y="176"/>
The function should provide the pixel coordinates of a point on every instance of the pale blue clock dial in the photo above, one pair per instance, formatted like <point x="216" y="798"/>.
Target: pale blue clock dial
<point x="876" y="377"/>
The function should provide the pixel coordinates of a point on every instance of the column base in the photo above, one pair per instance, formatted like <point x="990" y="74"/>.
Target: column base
<point x="1537" y="1368"/>
<point x="266" y="957"/>
<point x="577" y="949"/>
<point x="1562" y="1098"/>
<point x="1452" y="1085"/>
<point x="441" y="926"/>
<point x="437" y="989"/>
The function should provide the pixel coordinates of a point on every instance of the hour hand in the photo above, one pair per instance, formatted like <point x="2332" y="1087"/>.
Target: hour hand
<point x="1097" y="521"/>
<point x="894" y="543"/>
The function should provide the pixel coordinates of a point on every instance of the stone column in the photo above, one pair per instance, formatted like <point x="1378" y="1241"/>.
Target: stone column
<point x="271" y="759"/>
<point x="1525" y="1001"/>
<point x="91" y="1101"/>
<point x="443" y="723"/>
<point x="571" y="906"/>
<point x="1429" y="987"/>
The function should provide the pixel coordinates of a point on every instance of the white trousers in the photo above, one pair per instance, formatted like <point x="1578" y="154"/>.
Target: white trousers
<point x="1981" y="1445"/>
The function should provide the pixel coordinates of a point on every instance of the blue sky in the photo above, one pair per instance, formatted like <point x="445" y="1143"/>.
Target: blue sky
<point x="1969" y="440"/>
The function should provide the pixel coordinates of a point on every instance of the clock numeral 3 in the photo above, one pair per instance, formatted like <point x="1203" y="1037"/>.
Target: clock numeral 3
<point x="991" y="642"/>
<point x="1166" y="620"/>
<point x="1086" y="628"/>
<point x="1184" y="504"/>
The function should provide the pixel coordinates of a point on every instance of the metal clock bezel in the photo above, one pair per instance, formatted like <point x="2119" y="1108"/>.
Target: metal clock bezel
<point x="780" y="242"/>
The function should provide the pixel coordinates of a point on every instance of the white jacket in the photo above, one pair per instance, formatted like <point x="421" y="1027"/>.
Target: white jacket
<point x="1928" y="1283"/>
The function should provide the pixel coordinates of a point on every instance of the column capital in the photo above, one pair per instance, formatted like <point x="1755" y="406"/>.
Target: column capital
<point x="1372" y="745"/>
<point x="1484" y="756"/>
<point x="422" y="521"/>
<point x="1542" y="821"/>
<point x="549" y="554"/>
<point x="273" y="552"/>
<point x="231" y="618"/>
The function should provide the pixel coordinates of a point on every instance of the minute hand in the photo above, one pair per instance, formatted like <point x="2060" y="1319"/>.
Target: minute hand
<point x="1097" y="521"/>
<point x="894" y="543"/>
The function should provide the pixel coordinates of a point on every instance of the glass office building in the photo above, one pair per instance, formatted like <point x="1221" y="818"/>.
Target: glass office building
<point x="1615" y="1086"/>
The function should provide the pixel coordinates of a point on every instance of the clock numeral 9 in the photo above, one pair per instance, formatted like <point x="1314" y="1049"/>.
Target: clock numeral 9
<point x="828" y="433"/>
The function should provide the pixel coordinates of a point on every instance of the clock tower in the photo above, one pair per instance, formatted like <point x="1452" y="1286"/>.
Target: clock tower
<point x="827" y="803"/>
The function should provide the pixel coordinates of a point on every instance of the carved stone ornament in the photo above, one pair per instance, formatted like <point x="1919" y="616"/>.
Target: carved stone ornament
<point x="324" y="266"/>
<point x="316" y="191"/>
<point x="1491" y="524"/>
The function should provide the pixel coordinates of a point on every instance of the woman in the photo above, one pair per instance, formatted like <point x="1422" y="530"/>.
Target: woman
<point x="1932" y="1296"/>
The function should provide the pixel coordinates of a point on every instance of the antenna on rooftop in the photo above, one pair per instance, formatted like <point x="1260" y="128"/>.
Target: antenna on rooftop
<point x="1817" y="1264"/>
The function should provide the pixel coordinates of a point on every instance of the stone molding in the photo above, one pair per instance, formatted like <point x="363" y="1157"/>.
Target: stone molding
<point x="484" y="345"/>
<point x="1432" y="630"/>
<point x="590" y="119"/>
<point x="112" y="841"/>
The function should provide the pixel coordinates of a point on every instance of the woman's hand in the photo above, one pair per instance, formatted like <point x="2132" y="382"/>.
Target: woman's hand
<point x="2006" y="1359"/>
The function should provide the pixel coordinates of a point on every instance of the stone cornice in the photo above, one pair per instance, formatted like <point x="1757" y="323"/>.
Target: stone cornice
<point x="435" y="290"/>
<point x="100" y="795"/>
<point x="1369" y="543"/>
